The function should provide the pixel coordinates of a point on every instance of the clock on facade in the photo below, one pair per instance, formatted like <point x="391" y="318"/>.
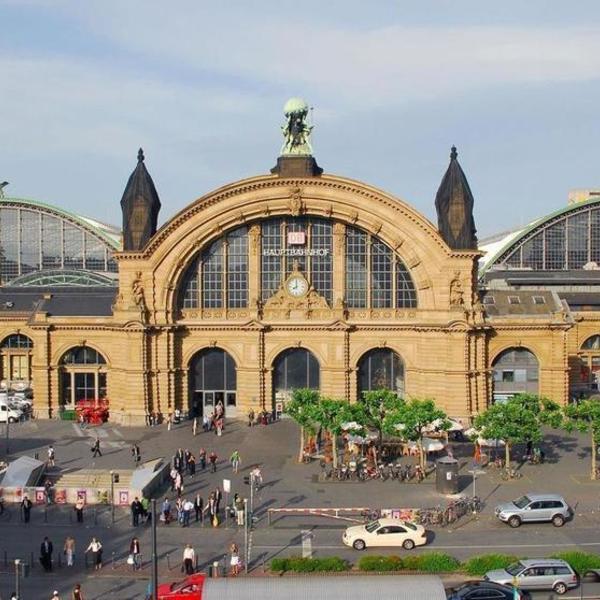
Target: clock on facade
<point x="297" y="286"/>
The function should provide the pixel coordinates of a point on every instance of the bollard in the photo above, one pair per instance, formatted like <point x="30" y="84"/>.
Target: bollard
<point x="215" y="569"/>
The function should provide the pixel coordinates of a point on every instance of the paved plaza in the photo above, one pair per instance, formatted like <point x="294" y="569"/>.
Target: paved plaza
<point x="286" y="484"/>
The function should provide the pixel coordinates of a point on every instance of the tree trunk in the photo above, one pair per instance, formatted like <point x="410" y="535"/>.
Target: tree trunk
<point x="421" y="454"/>
<point x="334" y="449"/>
<point x="301" y="454"/>
<point x="506" y="455"/>
<point x="593" y="455"/>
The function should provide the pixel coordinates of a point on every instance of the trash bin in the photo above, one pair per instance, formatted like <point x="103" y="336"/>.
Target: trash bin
<point x="446" y="478"/>
<point x="215" y="569"/>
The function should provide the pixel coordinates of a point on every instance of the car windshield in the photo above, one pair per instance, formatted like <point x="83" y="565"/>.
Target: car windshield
<point x="514" y="569"/>
<point x="371" y="527"/>
<point x="521" y="502"/>
<point x="410" y="526"/>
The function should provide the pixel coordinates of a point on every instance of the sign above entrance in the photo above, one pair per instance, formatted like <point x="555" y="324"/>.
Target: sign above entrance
<point x="296" y="252"/>
<point x="296" y="238"/>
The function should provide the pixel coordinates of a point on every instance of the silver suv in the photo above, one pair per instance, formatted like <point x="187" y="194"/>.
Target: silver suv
<point x="537" y="574"/>
<point x="535" y="508"/>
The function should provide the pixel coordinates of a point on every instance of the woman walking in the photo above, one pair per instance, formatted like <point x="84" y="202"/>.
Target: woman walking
<point x="69" y="550"/>
<point x="235" y="560"/>
<point x="95" y="548"/>
<point x="135" y="554"/>
<point x="235" y="461"/>
<point x="79" y="508"/>
<point x="77" y="593"/>
<point x="199" y="507"/>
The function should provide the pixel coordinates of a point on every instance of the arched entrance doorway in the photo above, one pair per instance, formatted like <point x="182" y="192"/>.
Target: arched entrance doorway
<point x="15" y="362"/>
<point x="379" y="369"/>
<point x="516" y="371"/>
<point x="294" y="369"/>
<point x="212" y="379"/>
<point x="82" y="376"/>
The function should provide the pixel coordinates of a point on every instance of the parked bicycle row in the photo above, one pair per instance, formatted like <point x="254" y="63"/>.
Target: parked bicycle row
<point x="361" y="470"/>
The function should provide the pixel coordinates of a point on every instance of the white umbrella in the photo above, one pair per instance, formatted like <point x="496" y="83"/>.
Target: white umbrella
<point x="351" y="425"/>
<point x="356" y="439"/>
<point x="400" y="427"/>
<point x="437" y="424"/>
<point x="472" y="432"/>
<point x="429" y="445"/>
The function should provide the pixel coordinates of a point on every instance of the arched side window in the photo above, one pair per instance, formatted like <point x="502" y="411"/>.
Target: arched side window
<point x="294" y="369"/>
<point x="83" y="376"/>
<point x="379" y="369"/>
<point x="592" y="343"/>
<point x="584" y="370"/>
<point x="218" y="277"/>
<point x="516" y="371"/>
<point x="375" y="276"/>
<point x="15" y="354"/>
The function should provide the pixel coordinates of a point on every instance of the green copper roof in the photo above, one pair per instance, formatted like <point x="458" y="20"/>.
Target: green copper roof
<point x="538" y="224"/>
<point x="108" y="233"/>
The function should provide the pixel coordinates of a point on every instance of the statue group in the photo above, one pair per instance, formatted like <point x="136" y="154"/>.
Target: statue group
<point x="296" y="131"/>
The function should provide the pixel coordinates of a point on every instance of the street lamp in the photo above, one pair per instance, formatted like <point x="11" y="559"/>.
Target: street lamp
<point x="246" y="535"/>
<point x="18" y="577"/>
<point x="154" y="552"/>
<point x="114" y="478"/>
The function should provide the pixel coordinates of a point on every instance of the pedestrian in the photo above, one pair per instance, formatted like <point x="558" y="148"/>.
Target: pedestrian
<point x="55" y="595"/>
<point x="173" y="475"/>
<point x="238" y="504"/>
<point x="212" y="459"/>
<point x="14" y="596"/>
<point x="179" y="484"/>
<point x="48" y="491"/>
<point x="195" y="426"/>
<point x="136" y="511"/>
<point x="188" y="507"/>
<point x="77" y="593"/>
<point x="146" y="513"/>
<point x="26" y="505"/>
<point x="211" y="508"/>
<point x="136" y="454"/>
<point x="202" y="458"/>
<point x="218" y="498"/>
<point x="219" y="426"/>
<point x="477" y="456"/>
<point x="192" y="465"/>
<point x="205" y="423"/>
<point x="165" y="511"/>
<point x="51" y="456"/>
<point x="135" y="556"/>
<point x="251" y="417"/>
<point x="95" y="548"/>
<point x="186" y="460"/>
<point x="235" y="559"/>
<point x="79" y="508"/>
<point x="189" y="559"/>
<point x="198" y="507"/>
<point x="69" y="550"/>
<point x="46" y="549"/>
<point x="235" y="461"/>
<point x="96" y="448"/>
<point x="169" y="421"/>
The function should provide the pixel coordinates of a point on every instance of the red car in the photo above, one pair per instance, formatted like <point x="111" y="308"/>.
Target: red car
<point x="188" y="589"/>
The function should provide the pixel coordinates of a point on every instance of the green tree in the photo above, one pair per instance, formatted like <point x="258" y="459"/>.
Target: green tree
<point x="519" y="419"/>
<point x="331" y="414"/>
<point x="412" y="419"/>
<point x="585" y="417"/>
<point x="303" y="408"/>
<point x="372" y="408"/>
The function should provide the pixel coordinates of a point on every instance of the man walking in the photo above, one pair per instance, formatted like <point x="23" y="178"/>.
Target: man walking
<point x="136" y="454"/>
<point x="26" y="505"/>
<point x="46" y="550"/>
<point x="202" y="458"/>
<point x="235" y="461"/>
<point x="69" y="550"/>
<point x="96" y="448"/>
<point x="212" y="459"/>
<point x="51" y="456"/>
<point x="136" y="511"/>
<point x="79" y="508"/>
<point x="188" y="507"/>
<point x="189" y="558"/>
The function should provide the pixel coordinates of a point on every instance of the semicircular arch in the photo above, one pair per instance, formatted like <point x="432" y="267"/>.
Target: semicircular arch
<point x="59" y="353"/>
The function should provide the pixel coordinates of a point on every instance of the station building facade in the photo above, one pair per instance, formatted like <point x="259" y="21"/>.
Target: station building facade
<point x="296" y="279"/>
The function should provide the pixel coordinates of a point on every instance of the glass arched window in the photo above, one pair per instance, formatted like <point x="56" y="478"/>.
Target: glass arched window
<point x="212" y="380"/>
<point x="218" y="277"/>
<point x="375" y="275"/>
<point x="83" y="376"/>
<point x="516" y="371"/>
<point x="379" y="369"/>
<point x="584" y="370"/>
<point x="15" y="352"/>
<point x="294" y="369"/>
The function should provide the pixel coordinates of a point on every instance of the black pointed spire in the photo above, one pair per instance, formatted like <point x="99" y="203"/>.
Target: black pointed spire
<point x="140" y="205"/>
<point x="454" y="206"/>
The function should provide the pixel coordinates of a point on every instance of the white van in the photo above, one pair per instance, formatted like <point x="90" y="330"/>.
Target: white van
<point x="8" y="413"/>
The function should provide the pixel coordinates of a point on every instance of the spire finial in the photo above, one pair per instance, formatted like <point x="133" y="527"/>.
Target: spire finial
<point x="453" y="153"/>
<point x="140" y="155"/>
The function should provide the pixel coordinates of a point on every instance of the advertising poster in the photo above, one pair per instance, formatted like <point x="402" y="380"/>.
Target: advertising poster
<point x="123" y="498"/>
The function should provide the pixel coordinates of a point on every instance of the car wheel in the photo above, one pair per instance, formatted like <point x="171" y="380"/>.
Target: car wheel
<point x="408" y="544"/>
<point x="558" y="520"/>
<point x="560" y="588"/>
<point x="12" y="420"/>
<point x="359" y="545"/>
<point x="514" y="522"/>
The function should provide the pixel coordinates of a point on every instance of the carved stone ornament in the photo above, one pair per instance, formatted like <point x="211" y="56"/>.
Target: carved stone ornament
<point x="137" y="290"/>
<point x="295" y="203"/>
<point x="296" y="293"/>
<point x="456" y="291"/>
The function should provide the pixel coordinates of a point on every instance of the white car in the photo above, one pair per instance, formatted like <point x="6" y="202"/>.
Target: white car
<point x="385" y="532"/>
<point x="10" y="414"/>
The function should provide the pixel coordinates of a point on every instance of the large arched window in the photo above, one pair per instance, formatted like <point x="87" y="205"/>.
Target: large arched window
<point x="584" y="370"/>
<point x="380" y="369"/>
<point x="294" y="369"/>
<point x="82" y="375"/>
<point x="516" y="371"/>
<point x="375" y="275"/>
<point x="218" y="277"/>
<point x="15" y="352"/>
<point x="212" y="380"/>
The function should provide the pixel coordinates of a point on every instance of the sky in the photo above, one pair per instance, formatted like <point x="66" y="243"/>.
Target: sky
<point x="394" y="84"/>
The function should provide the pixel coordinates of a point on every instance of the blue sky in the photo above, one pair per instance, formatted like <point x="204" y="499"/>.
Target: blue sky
<point x="200" y="86"/>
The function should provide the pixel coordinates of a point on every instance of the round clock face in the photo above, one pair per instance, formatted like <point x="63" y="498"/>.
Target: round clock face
<point x="297" y="286"/>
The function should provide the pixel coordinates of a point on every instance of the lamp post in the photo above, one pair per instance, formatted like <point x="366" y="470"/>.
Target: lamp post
<point x="112" y="497"/>
<point x="154" y="552"/>
<point x="18" y="577"/>
<point x="246" y="535"/>
<point x="7" y="436"/>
